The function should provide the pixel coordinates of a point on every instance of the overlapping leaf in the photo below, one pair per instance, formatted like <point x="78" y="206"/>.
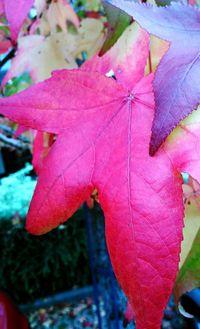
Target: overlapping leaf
<point x="117" y="23"/>
<point x="40" y="56"/>
<point x="103" y="130"/>
<point x="40" y="5"/>
<point x="184" y="148"/>
<point x="191" y="192"/>
<point x="189" y="271"/>
<point x="16" y="12"/>
<point x="189" y="275"/>
<point x="177" y="80"/>
<point x="59" y="14"/>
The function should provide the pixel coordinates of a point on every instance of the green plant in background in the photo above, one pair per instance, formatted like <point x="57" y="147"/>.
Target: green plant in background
<point x="17" y="84"/>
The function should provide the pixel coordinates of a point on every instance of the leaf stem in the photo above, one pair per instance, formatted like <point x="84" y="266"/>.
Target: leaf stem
<point x="150" y="62"/>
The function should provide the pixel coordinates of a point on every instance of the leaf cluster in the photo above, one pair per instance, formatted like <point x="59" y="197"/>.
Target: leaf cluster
<point x="95" y="125"/>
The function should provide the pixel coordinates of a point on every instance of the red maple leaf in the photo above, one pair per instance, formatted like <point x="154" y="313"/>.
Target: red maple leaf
<point x="103" y="129"/>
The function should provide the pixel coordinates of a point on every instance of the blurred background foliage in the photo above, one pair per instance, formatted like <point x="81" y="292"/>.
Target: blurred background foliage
<point x="37" y="266"/>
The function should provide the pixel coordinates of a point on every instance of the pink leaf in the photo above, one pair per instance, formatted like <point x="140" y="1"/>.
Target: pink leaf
<point x="48" y="114"/>
<point x="16" y="12"/>
<point x="129" y="315"/>
<point x="1" y="7"/>
<point x="51" y="199"/>
<point x="104" y="129"/>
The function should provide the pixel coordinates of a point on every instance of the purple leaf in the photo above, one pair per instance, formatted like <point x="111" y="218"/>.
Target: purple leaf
<point x="177" y="79"/>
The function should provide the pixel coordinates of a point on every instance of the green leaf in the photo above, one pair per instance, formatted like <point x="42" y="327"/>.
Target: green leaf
<point x="191" y="190"/>
<point x="17" y="84"/>
<point x="189" y="274"/>
<point x="118" y="22"/>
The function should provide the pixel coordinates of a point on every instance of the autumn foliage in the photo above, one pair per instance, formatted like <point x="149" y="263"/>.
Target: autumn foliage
<point x="114" y="123"/>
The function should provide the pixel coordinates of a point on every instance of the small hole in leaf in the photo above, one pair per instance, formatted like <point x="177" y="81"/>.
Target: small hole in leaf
<point x="111" y="74"/>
